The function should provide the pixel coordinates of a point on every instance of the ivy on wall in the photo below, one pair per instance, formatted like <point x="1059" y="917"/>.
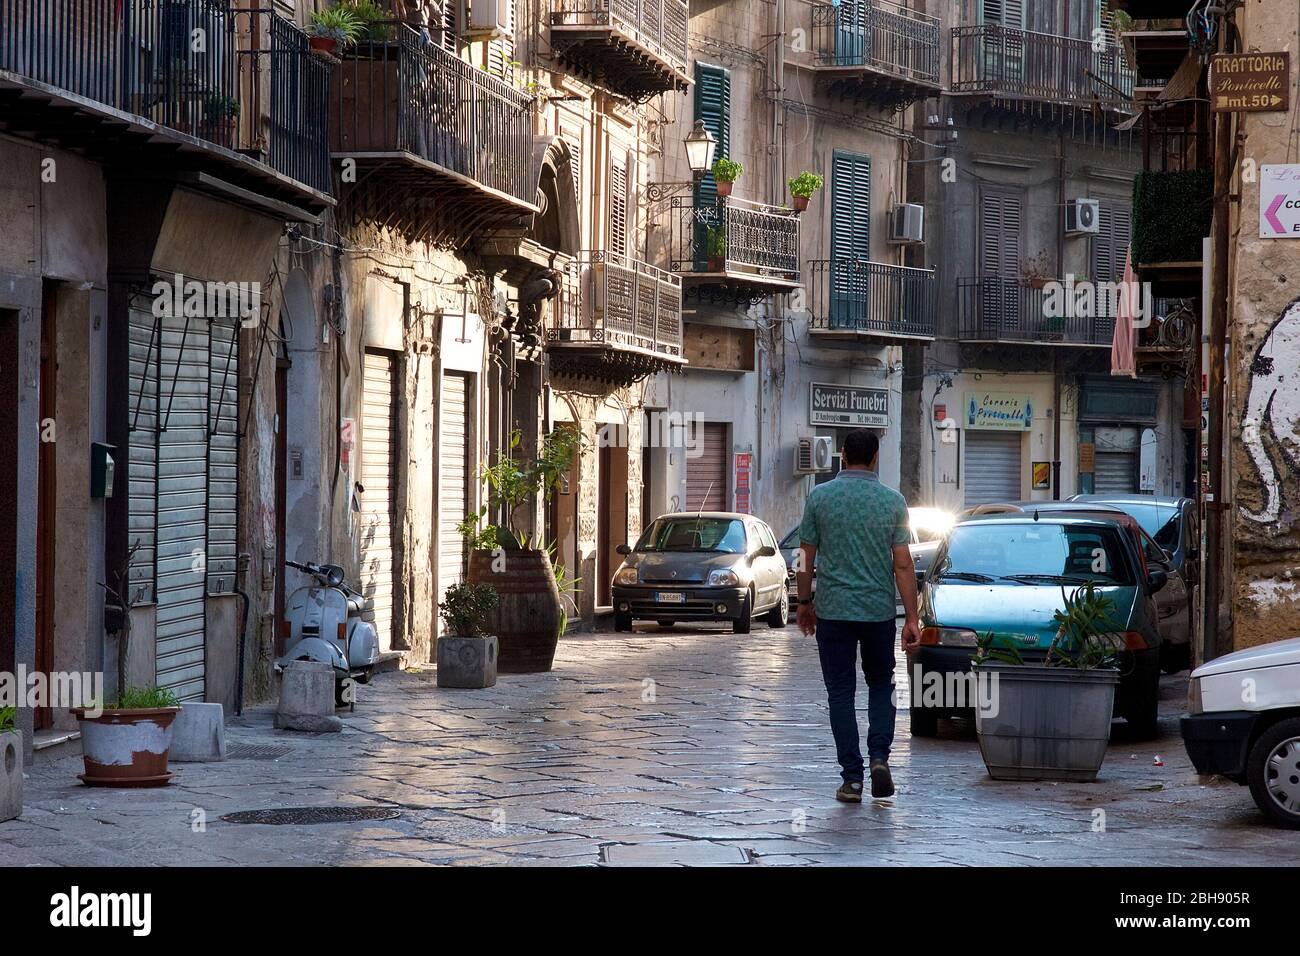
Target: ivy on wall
<point x="1171" y="215"/>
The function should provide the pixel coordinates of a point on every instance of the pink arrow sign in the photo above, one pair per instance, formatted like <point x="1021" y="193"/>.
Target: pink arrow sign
<point x="1271" y="213"/>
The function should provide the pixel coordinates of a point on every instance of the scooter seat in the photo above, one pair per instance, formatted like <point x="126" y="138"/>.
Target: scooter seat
<point x="359" y="605"/>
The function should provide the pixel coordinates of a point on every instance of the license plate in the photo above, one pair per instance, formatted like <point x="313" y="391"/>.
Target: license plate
<point x="670" y="597"/>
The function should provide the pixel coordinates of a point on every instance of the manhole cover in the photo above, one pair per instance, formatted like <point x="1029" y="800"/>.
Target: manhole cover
<point x="256" y="752"/>
<point x="685" y="853"/>
<point x="298" y="816"/>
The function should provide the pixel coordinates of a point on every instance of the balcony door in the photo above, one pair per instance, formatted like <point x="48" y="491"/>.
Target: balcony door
<point x="852" y="32"/>
<point x="850" y="239"/>
<point x="713" y="107"/>
<point x="1003" y="56"/>
<point x="1001" y="224"/>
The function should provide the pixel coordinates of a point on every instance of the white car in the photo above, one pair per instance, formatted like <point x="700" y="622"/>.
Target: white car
<point x="1245" y="724"/>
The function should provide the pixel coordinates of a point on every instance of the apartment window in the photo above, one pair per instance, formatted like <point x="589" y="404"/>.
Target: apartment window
<point x="618" y="227"/>
<point x="1006" y="13"/>
<point x="850" y="206"/>
<point x="713" y="106"/>
<point x="1110" y="244"/>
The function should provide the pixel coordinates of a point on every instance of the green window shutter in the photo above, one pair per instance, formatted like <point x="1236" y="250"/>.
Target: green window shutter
<point x="713" y="106"/>
<point x="850" y="206"/>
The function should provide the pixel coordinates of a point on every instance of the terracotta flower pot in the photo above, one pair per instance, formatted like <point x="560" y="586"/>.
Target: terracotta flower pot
<point x="717" y="264"/>
<point x="724" y="189"/>
<point x="126" y="748"/>
<point x="800" y="203"/>
<point x="324" y="44"/>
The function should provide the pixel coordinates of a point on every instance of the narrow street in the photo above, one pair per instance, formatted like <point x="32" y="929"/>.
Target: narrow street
<point x="693" y="746"/>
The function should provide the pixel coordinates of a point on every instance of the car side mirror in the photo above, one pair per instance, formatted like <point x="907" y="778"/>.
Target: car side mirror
<point x="766" y="551"/>
<point x="623" y="549"/>
<point x="1157" y="578"/>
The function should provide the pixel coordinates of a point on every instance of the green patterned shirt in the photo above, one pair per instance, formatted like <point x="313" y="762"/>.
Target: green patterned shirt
<point x="855" y="522"/>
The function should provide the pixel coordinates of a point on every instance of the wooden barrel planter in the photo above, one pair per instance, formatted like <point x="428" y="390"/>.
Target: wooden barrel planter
<point x="527" y="618"/>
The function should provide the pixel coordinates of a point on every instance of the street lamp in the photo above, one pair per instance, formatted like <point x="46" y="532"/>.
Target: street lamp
<point x="700" y="147"/>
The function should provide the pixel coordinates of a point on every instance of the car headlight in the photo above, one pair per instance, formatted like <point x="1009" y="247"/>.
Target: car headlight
<point x="1194" y="703"/>
<point x="950" y="636"/>
<point x="626" y="576"/>
<point x="723" y="578"/>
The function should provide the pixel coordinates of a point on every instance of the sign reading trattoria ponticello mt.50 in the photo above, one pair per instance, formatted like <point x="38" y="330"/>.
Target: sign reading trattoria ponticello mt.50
<point x="1250" y="82"/>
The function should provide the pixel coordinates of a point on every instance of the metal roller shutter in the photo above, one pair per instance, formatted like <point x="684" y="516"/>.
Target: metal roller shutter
<point x="706" y="475"/>
<point x="1115" y="473"/>
<point x="992" y="468"/>
<point x="453" y="478"/>
<point x="379" y="479"/>
<point x="223" y="456"/>
<point x="142" y="456"/>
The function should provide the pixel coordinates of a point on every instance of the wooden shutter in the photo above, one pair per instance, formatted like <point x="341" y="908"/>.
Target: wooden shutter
<point x="850" y="206"/>
<point x="618" y="228"/>
<point x="1007" y="13"/>
<point x="1001" y="218"/>
<point x="1109" y="245"/>
<point x="501" y="51"/>
<point x="713" y="106"/>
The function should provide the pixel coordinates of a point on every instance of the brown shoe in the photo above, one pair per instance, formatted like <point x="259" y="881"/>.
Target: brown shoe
<point x="850" y="791"/>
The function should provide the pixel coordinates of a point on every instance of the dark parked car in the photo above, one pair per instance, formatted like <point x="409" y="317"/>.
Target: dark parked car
<point x="1004" y="574"/>
<point x="711" y="566"/>
<point x="1172" y="524"/>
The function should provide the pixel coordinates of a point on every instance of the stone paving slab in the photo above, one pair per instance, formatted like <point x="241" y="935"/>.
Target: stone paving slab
<point x="689" y="747"/>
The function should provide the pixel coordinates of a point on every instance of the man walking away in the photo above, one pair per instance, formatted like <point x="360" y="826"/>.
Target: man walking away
<point x="856" y="530"/>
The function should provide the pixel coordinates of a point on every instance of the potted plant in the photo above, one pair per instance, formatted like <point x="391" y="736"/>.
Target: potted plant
<point x="333" y="28"/>
<point x="125" y="744"/>
<point x="1051" y="721"/>
<point x="716" y="240"/>
<point x="802" y="188"/>
<point x="11" y="765"/>
<point x="219" y="115"/>
<point x="528" y="618"/>
<point x="726" y="172"/>
<point x="467" y="655"/>
<point x="1034" y="271"/>
<point x="374" y="23"/>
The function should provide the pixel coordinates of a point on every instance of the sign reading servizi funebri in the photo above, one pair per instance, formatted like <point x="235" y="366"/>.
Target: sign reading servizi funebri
<point x="849" y="406"/>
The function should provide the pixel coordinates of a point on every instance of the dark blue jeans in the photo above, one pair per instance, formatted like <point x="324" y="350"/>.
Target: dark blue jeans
<point x="837" y="645"/>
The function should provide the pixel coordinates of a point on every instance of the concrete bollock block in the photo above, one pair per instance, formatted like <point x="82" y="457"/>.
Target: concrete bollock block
<point x="11" y="775"/>
<point x="199" y="734"/>
<point x="307" y="699"/>
<point x="467" y="662"/>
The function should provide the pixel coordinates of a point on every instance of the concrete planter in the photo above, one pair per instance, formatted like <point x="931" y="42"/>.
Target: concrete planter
<point x="126" y="748"/>
<point x="467" y="661"/>
<point x="1051" y="723"/>
<point x="11" y="775"/>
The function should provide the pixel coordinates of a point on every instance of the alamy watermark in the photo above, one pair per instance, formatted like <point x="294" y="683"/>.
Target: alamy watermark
<point x="661" y="430"/>
<point x="189" y="298"/>
<point x="58" y="690"/>
<point x="1085" y="299"/>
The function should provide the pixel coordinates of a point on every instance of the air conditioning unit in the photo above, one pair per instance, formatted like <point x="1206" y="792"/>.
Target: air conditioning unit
<point x="814" y="455"/>
<point x="489" y="19"/>
<point x="1082" y="217"/>
<point x="907" y="223"/>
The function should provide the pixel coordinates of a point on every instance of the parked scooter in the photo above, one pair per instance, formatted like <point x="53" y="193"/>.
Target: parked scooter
<point x="331" y="622"/>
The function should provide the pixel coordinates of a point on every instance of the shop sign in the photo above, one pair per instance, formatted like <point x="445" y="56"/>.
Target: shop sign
<point x="849" y="406"/>
<point x="999" y="410"/>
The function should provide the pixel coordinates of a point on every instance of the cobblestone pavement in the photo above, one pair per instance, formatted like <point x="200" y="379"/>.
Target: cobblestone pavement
<point x="682" y="746"/>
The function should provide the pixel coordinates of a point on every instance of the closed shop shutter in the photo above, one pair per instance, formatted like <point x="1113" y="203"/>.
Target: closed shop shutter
<point x="453" y="478"/>
<point x="706" y="474"/>
<point x="379" y="479"/>
<point x="992" y="468"/>
<point x="142" y="457"/>
<point x="1115" y="473"/>
<point x="223" y="457"/>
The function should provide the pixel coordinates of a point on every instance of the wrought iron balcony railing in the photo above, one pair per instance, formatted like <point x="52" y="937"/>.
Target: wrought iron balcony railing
<point x="872" y="298"/>
<point x="397" y="92"/>
<point x="731" y="236"/>
<point x="614" y="300"/>
<point x="879" y="35"/>
<point x="992" y="309"/>
<point x="636" y="47"/>
<point x="1021" y="64"/>
<point x="195" y="66"/>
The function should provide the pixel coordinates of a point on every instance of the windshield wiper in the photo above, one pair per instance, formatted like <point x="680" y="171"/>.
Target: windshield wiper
<point x="967" y="576"/>
<point x="1052" y="578"/>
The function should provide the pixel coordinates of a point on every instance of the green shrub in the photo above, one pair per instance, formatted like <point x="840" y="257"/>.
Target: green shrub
<point x="8" y="719"/>
<point x="805" y="184"/>
<point x="464" y="607"/>
<point x="726" y="170"/>
<point x="144" y="698"/>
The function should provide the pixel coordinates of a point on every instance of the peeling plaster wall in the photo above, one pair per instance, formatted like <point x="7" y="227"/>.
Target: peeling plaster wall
<point x="1263" y="467"/>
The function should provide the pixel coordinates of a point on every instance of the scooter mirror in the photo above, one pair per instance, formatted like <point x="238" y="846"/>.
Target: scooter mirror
<point x="334" y="576"/>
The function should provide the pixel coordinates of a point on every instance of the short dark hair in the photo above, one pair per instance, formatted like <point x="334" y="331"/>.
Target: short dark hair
<point x="860" y="447"/>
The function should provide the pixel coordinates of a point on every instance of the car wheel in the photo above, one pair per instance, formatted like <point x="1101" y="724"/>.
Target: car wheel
<point x="622" y="622"/>
<point x="925" y="723"/>
<point x="665" y="623"/>
<point x="742" y="624"/>
<point x="779" y="616"/>
<point x="1273" y="773"/>
<point x="1175" y="657"/>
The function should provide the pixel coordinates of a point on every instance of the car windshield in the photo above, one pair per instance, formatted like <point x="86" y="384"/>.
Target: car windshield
<point x="1041" y="552"/>
<point x="1159" y="521"/>
<point x="694" y="534"/>
<point x="929" y="524"/>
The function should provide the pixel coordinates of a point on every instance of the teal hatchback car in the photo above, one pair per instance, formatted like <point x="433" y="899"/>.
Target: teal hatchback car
<point x="1007" y="574"/>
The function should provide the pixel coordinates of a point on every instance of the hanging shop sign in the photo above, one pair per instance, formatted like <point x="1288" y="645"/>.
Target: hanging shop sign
<point x="1279" y="201"/>
<point x="849" y="406"/>
<point x="1042" y="475"/>
<point x="1250" y="82"/>
<point x="999" y="410"/>
<point x="744" y="465"/>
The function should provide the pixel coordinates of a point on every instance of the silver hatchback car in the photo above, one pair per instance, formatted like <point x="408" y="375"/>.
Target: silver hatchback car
<point x="710" y="566"/>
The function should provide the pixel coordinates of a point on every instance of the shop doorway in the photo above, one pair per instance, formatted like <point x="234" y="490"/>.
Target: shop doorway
<point x="993" y="467"/>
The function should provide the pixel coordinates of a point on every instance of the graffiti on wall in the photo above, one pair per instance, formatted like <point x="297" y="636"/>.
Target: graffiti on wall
<point x="1269" y="425"/>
